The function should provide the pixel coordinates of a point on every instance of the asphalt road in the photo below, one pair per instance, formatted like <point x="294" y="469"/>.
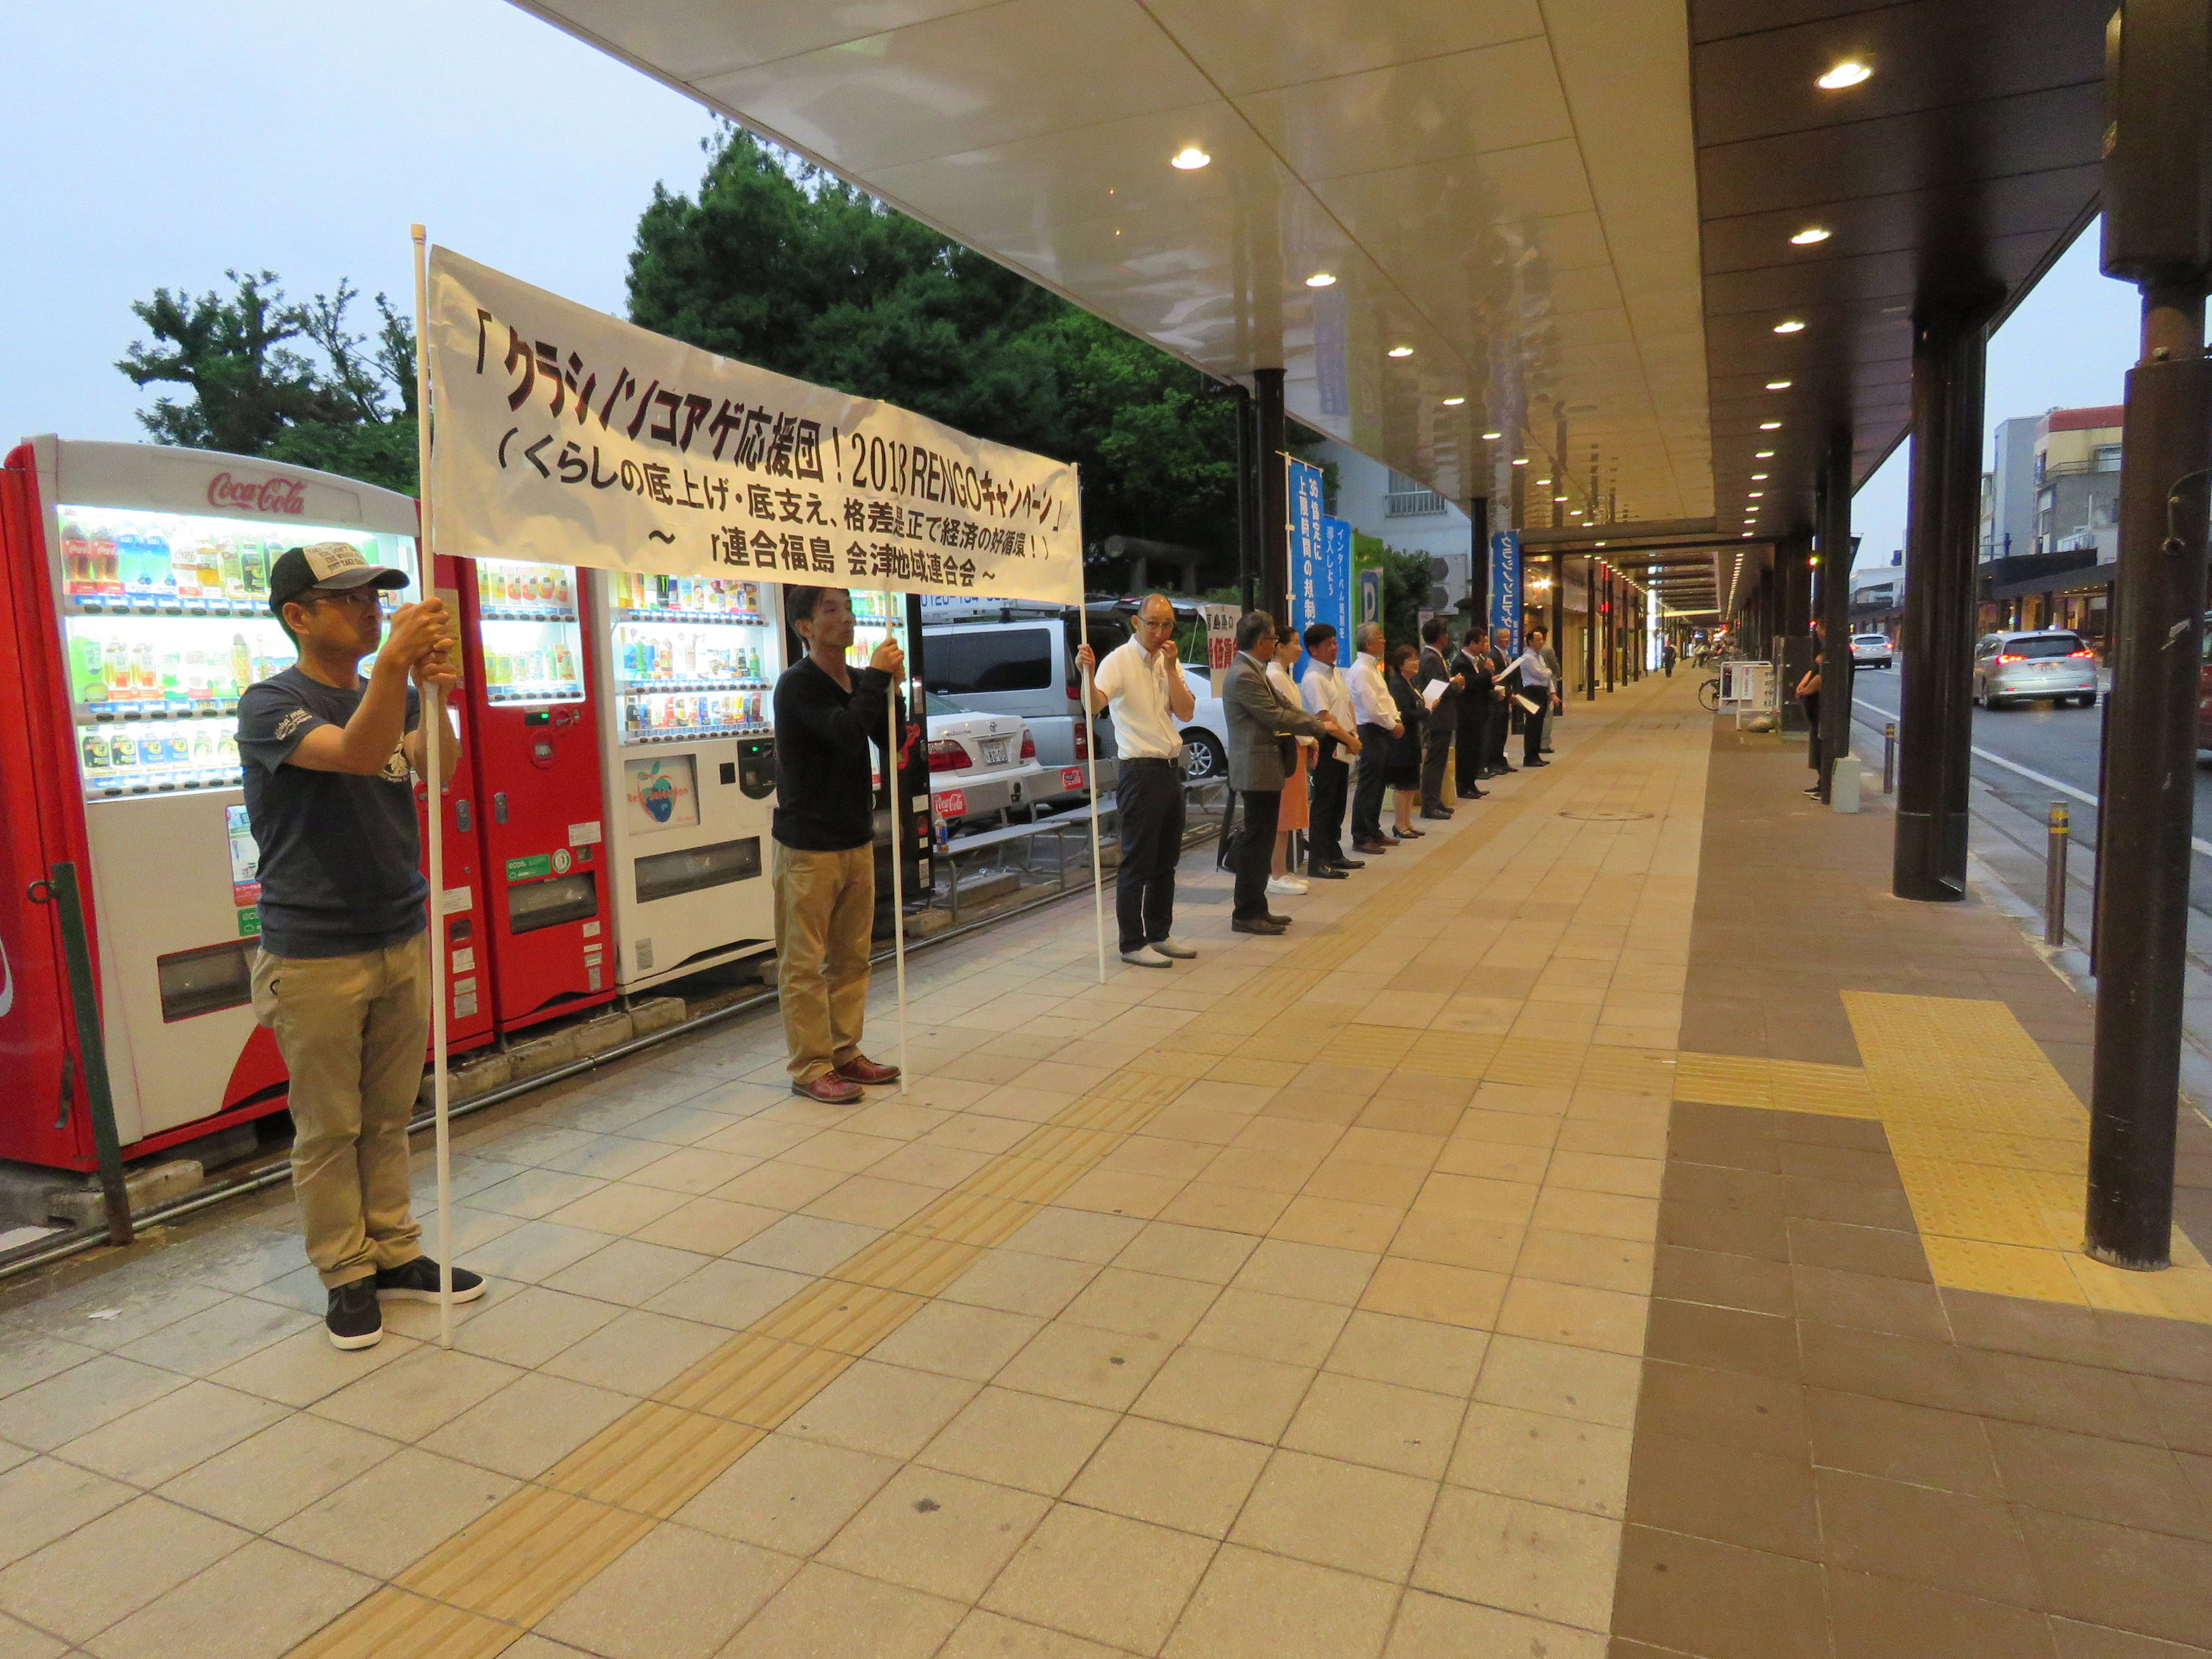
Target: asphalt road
<point x="2062" y="745"/>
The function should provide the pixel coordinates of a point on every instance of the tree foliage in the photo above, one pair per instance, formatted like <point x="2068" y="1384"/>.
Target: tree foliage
<point x="1405" y="585"/>
<point x="348" y="407"/>
<point x="777" y="263"/>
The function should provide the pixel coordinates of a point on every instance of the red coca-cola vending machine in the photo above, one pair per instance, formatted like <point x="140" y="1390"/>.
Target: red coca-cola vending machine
<point x="533" y="726"/>
<point x="134" y="602"/>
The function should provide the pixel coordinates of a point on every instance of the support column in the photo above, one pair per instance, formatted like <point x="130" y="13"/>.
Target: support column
<point x="1835" y="600"/>
<point x="1935" y="729"/>
<point x="1274" y="496"/>
<point x="1559" y="614"/>
<point x="2158" y="170"/>
<point x="1611" y="618"/>
<point x="1247" y="501"/>
<point x="1590" y="621"/>
<point x="1478" y="563"/>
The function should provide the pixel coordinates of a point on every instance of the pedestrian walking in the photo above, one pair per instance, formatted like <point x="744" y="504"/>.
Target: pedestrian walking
<point x="1141" y="683"/>
<point x="1533" y="680"/>
<point x="1260" y="757"/>
<point x="1441" y="724"/>
<point x="341" y="971"/>
<point x="1405" y="749"/>
<point x="1323" y="692"/>
<point x="1291" y="822"/>
<point x="826" y="715"/>
<point x="1667" y="658"/>
<point x="1376" y="711"/>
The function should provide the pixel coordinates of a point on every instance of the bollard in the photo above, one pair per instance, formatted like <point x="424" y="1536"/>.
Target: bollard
<point x="2054" y="879"/>
<point x="1889" y="758"/>
<point x="60" y="890"/>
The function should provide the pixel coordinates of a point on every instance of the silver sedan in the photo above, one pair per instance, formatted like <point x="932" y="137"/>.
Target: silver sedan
<point x="2051" y="663"/>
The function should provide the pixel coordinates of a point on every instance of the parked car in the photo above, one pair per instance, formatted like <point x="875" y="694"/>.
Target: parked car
<point x="1870" y="651"/>
<point x="2048" y="662"/>
<point x="980" y="763"/>
<point x="1006" y="657"/>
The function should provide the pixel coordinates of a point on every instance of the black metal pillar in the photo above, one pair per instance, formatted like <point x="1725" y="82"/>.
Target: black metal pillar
<point x="1478" y="565"/>
<point x="1274" y="480"/>
<point x="1835" y="604"/>
<point x="1247" y="501"/>
<point x="1612" y="615"/>
<point x="1942" y="523"/>
<point x="1560" y="613"/>
<point x="1591" y="620"/>
<point x="2158" y="170"/>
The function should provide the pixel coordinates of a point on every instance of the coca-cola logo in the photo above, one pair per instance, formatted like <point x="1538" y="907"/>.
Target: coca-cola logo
<point x="271" y="495"/>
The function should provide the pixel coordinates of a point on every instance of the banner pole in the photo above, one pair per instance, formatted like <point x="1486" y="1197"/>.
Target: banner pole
<point x="1090" y="762"/>
<point x="433" y="731"/>
<point x="895" y="792"/>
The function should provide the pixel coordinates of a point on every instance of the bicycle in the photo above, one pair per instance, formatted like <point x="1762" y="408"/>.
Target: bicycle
<point x="1709" y="696"/>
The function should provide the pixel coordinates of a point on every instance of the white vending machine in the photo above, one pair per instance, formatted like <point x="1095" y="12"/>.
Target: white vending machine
<point x="686" y="732"/>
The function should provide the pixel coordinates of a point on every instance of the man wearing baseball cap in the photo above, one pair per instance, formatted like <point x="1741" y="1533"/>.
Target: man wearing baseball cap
<point x="343" y="975"/>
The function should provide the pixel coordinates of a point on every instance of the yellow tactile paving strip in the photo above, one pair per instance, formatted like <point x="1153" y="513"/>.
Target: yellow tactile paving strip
<point x="1990" y="1141"/>
<point x="482" y="1590"/>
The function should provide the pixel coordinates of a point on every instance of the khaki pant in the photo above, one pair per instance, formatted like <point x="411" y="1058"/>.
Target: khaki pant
<point x="353" y="1031"/>
<point x="825" y="915"/>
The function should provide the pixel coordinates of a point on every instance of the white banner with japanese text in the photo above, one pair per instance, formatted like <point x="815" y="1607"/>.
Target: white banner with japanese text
<point x="567" y="436"/>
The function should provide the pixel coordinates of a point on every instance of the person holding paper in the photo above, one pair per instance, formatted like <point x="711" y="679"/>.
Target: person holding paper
<point x="1405" y="748"/>
<point x="1441" y="689"/>
<point x="1501" y="708"/>
<point x="1472" y="664"/>
<point x="1534" y="690"/>
<point x="1261" y="757"/>
<point x="1323" y="692"/>
<point x="1141" y="682"/>
<point x="825" y="828"/>
<point x="1376" y="712"/>
<point x="342" y="973"/>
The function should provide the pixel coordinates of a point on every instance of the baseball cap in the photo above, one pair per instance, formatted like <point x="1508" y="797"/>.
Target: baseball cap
<point x="326" y="564"/>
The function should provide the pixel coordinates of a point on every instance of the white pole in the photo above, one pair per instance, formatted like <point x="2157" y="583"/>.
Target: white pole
<point x="1090" y="763"/>
<point x="895" y="792"/>
<point x="433" y="731"/>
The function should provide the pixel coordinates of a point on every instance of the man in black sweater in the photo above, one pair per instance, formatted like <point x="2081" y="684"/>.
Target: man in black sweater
<point x="826" y="715"/>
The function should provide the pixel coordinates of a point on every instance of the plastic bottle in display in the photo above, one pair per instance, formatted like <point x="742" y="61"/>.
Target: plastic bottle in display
<point x="209" y="557"/>
<point x="76" y="558"/>
<point x="99" y="757"/>
<point x="241" y="663"/>
<point x="234" y="567"/>
<point x="124" y="750"/>
<point x="184" y="568"/>
<point x="252" y="566"/>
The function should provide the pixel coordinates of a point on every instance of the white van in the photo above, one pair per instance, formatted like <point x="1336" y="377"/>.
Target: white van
<point x="1009" y="658"/>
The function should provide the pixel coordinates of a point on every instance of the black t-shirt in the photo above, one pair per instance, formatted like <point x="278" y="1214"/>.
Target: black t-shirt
<point x="824" y="802"/>
<point x="340" y="855"/>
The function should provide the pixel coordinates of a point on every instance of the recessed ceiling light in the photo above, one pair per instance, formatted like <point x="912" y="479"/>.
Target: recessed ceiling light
<point x="1849" y="73"/>
<point x="1780" y="385"/>
<point x="1399" y="351"/>
<point x="1763" y="455"/>
<point x="1454" y="403"/>
<point x="1561" y="499"/>
<point x="1520" y="460"/>
<point x="1758" y="478"/>
<point x="1790" y="325"/>
<point x="1189" y="158"/>
<point x="1754" y="495"/>
<point x="1769" y="426"/>
<point x="1545" y="483"/>
<point x="1320" y="279"/>
<point x="1747" y="536"/>
<point x="1492" y="437"/>
<point x="1811" y="235"/>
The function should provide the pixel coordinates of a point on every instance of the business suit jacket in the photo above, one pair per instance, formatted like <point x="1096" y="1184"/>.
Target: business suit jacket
<point x="1432" y="666"/>
<point x="1473" y="702"/>
<point x="1260" y="728"/>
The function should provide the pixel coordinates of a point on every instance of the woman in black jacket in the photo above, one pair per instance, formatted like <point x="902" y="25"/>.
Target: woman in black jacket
<point x="1404" y="772"/>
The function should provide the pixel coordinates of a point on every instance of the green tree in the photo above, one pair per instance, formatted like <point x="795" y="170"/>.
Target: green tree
<point x="1405" y="585"/>
<point x="254" y="393"/>
<point x="775" y="263"/>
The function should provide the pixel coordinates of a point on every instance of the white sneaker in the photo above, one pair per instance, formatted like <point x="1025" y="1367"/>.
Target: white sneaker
<point x="1286" y="884"/>
<point x="1145" y="957"/>
<point x="1172" y="946"/>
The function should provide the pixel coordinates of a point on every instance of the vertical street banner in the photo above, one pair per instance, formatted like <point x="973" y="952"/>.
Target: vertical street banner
<point x="1506" y="582"/>
<point x="1328" y="597"/>
<point x="564" y="435"/>
<point x="1302" y="485"/>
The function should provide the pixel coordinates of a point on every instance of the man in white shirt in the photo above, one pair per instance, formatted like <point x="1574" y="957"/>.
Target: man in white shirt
<point x="1142" y="683"/>
<point x="1376" y="711"/>
<point x="1531" y="678"/>
<point x="1323" y="692"/>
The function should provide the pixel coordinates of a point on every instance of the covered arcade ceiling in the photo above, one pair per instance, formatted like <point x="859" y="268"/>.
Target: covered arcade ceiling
<point x="1644" y="220"/>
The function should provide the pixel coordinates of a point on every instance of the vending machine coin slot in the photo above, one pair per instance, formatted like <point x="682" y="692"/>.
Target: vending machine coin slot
<point x="499" y="806"/>
<point x="538" y="717"/>
<point x="729" y="772"/>
<point x="757" y="768"/>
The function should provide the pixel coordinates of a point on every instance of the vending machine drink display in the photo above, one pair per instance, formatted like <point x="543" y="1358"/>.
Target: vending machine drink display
<point x="134" y="593"/>
<point x="690" y="767"/>
<point x="532" y="723"/>
<point x="874" y="615"/>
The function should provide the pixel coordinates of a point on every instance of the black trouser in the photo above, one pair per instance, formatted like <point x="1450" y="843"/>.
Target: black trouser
<point x="1435" y="754"/>
<point x="1367" y="801"/>
<point x="1473" y="727"/>
<point x="1148" y="809"/>
<point x="1255" y="852"/>
<point x="1812" y="756"/>
<point x="1500" y="728"/>
<point x="1332" y="778"/>
<point x="1532" y="731"/>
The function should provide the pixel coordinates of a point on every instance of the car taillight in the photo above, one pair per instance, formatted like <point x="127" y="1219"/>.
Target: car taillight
<point x="1082" y="746"/>
<point x="945" y="754"/>
<point x="2008" y="656"/>
<point x="2080" y="653"/>
<point x="1029" y="746"/>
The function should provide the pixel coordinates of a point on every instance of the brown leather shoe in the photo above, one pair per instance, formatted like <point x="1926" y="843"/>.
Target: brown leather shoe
<point x="830" y="1089"/>
<point x="861" y="1069"/>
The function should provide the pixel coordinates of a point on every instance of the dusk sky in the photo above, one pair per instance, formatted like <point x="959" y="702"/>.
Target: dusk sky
<point x="156" y="146"/>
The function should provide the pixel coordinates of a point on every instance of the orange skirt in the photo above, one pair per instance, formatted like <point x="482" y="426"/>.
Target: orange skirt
<point x="1294" y="814"/>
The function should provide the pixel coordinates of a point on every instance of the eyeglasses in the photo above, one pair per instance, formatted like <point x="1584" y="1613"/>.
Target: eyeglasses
<point x="360" y="596"/>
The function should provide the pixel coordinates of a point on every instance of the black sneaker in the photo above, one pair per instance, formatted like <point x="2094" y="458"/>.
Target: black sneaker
<point x="417" y="1281"/>
<point x="354" y="1320"/>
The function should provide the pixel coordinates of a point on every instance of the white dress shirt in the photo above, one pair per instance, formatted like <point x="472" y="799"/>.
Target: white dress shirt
<point x="1371" y="702"/>
<point x="1134" y="681"/>
<point x="1535" y="670"/>
<point x="1287" y="690"/>
<point x="1322" y="692"/>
